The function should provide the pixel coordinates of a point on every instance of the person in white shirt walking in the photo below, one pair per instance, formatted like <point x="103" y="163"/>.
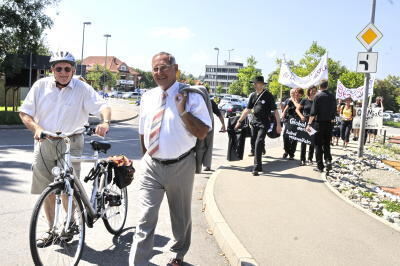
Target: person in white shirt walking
<point x="59" y="104"/>
<point x="169" y="125"/>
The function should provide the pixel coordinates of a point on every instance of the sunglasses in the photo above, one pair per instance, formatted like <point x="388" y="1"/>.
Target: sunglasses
<point x="66" y="69"/>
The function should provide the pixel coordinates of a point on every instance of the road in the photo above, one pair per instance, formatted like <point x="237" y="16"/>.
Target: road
<point x="102" y="248"/>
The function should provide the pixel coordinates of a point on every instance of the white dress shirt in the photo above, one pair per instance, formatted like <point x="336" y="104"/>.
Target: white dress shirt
<point x="63" y="109"/>
<point x="175" y="139"/>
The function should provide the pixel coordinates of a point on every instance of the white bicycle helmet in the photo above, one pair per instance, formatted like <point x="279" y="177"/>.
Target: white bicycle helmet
<point x="62" y="56"/>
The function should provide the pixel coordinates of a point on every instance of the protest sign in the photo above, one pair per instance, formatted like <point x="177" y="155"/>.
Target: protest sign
<point x="374" y="118"/>
<point x="296" y="130"/>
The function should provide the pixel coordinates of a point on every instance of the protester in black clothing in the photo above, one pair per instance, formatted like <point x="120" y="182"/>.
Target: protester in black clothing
<point x="323" y="112"/>
<point x="290" y="145"/>
<point x="303" y="111"/>
<point x="262" y="103"/>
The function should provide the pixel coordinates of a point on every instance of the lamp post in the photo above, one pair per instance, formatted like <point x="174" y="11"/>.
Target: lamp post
<point x="229" y="54"/>
<point x="216" y="71"/>
<point x="105" y="63"/>
<point x="83" y="42"/>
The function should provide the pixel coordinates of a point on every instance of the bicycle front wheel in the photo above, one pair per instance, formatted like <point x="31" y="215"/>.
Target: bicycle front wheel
<point x="50" y="240"/>
<point x="116" y="208"/>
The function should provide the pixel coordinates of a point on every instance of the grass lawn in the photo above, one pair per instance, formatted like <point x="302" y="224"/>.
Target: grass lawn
<point x="392" y="124"/>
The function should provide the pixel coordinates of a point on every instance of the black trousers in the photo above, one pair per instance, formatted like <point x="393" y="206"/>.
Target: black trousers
<point x="289" y="145"/>
<point x="323" y="143"/>
<point x="345" y="129"/>
<point x="253" y="140"/>
<point x="304" y="151"/>
<point x="258" y="134"/>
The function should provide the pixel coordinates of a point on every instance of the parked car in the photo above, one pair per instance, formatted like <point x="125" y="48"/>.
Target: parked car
<point x="387" y="117"/>
<point x="396" y="117"/>
<point x="231" y="109"/>
<point x="127" y="95"/>
<point x="115" y="94"/>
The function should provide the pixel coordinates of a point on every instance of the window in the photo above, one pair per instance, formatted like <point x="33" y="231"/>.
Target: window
<point x="122" y="68"/>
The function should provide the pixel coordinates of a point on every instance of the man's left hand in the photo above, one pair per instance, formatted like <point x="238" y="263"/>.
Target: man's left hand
<point x="180" y="100"/>
<point x="102" y="129"/>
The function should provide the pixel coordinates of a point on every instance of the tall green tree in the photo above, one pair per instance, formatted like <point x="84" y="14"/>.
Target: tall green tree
<point x="100" y="78"/>
<point x="307" y="64"/>
<point x="146" y="81"/>
<point x="242" y="86"/>
<point x="389" y="89"/>
<point x="352" y="79"/>
<point x="22" y="23"/>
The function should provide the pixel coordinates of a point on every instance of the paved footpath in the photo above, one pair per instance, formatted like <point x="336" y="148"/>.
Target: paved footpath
<point x="288" y="216"/>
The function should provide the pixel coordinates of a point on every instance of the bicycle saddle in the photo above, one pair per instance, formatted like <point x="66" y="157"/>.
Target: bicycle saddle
<point x="101" y="146"/>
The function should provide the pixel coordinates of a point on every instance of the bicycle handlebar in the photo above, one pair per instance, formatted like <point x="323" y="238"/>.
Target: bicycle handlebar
<point x="86" y="130"/>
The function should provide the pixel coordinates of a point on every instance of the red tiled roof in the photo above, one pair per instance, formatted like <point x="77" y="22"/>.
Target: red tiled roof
<point x="113" y="63"/>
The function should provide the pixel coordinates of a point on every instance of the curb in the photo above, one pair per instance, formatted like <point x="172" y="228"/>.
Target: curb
<point x="90" y="123"/>
<point x="233" y="249"/>
<point x="366" y="211"/>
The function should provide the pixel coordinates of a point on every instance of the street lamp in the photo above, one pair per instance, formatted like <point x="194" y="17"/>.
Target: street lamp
<point x="229" y="52"/>
<point x="83" y="42"/>
<point x="216" y="71"/>
<point x="105" y="64"/>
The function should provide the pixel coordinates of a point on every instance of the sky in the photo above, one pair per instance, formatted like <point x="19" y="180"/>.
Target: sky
<point x="191" y="29"/>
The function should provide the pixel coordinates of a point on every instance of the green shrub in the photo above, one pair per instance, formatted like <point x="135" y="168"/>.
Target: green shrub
<point x="10" y="118"/>
<point x="391" y="206"/>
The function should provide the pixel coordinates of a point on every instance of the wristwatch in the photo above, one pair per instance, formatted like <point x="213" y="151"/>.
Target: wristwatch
<point x="107" y="121"/>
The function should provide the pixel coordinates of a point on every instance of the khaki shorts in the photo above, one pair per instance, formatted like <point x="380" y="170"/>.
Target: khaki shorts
<point x="46" y="155"/>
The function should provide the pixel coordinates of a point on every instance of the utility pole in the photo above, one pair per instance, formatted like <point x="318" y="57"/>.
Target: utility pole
<point x="105" y="64"/>
<point x="216" y="71"/>
<point x="365" y="97"/>
<point x="83" y="42"/>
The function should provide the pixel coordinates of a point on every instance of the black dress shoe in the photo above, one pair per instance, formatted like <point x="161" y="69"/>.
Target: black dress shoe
<point x="255" y="173"/>
<point x="329" y="166"/>
<point x="285" y="155"/>
<point x="175" y="262"/>
<point x="207" y="169"/>
<point x="291" y="158"/>
<point x="316" y="169"/>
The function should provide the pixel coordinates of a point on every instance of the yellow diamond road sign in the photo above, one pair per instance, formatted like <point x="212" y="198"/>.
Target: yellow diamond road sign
<point x="369" y="36"/>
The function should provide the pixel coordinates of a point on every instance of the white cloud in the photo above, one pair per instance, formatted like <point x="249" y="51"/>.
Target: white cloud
<point x="179" y="33"/>
<point x="271" y="54"/>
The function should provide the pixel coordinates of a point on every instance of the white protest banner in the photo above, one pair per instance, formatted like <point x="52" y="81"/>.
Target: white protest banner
<point x="288" y="78"/>
<point x="355" y="94"/>
<point x="374" y="118"/>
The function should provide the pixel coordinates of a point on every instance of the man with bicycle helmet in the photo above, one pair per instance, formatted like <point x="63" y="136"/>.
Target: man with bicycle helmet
<point x="60" y="103"/>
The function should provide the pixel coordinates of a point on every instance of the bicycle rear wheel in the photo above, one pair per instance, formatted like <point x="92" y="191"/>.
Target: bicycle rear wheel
<point x="116" y="208"/>
<point x="55" y="244"/>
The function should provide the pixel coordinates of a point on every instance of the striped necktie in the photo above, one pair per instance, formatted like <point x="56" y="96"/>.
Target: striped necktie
<point x="154" y="138"/>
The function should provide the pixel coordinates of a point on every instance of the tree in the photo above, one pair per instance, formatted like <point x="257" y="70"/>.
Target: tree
<point x="306" y="65"/>
<point x="146" y="80"/>
<point x="242" y="86"/>
<point x="100" y="78"/>
<point x="22" y="24"/>
<point x="352" y="79"/>
<point x="389" y="89"/>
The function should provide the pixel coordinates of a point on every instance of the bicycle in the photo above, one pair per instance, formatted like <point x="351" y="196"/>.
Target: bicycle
<point x="73" y="209"/>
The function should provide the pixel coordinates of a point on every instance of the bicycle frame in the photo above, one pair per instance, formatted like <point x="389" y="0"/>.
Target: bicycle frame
<point x="65" y="175"/>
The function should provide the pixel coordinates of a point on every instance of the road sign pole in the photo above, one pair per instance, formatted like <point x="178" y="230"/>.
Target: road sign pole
<point x="365" y="98"/>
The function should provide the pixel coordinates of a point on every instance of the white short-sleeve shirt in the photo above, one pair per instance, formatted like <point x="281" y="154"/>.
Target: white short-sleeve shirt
<point x="175" y="139"/>
<point x="63" y="109"/>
